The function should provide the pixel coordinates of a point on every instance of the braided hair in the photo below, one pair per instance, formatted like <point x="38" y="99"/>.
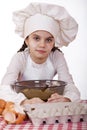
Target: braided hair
<point x="24" y="46"/>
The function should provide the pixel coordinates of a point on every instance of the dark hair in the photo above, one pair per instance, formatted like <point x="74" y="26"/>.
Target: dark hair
<point x="24" y="46"/>
<point x="56" y="48"/>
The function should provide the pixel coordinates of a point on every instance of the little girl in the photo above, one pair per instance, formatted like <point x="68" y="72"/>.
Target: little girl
<point x="45" y="28"/>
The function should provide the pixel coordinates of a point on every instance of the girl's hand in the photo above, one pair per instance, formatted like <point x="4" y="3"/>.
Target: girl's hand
<point x="58" y="98"/>
<point x="32" y="100"/>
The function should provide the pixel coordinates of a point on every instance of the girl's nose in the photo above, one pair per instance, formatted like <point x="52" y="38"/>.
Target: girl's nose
<point x="42" y="43"/>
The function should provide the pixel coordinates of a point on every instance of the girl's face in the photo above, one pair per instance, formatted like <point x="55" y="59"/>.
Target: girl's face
<point x="40" y="44"/>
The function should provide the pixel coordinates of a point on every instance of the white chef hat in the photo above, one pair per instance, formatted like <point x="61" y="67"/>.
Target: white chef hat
<point x="48" y="17"/>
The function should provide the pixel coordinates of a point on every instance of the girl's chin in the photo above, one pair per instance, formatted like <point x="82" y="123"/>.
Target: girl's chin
<point x="41" y="55"/>
<point x="41" y="58"/>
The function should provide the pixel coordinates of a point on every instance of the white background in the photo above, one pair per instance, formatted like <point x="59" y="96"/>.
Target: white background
<point x="75" y="53"/>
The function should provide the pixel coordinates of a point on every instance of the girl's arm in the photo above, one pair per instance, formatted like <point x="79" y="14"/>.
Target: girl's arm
<point x="7" y="93"/>
<point x="13" y="71"/>
<point x="71" y="91"/>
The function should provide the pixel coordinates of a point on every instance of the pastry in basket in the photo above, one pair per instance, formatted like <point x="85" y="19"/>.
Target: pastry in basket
<point x="2" y="105"/>
<point x="13" y="113"/>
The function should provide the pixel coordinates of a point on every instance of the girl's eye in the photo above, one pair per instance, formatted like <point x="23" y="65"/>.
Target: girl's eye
<point x="36" y="38"/>
<point x="49" y="40"/>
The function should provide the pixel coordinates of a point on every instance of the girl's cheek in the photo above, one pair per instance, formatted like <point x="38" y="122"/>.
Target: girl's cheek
<point x="33" y="45"/>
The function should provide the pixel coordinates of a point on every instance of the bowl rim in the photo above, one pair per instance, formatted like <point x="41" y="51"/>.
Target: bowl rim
<point x="62" y="83"/>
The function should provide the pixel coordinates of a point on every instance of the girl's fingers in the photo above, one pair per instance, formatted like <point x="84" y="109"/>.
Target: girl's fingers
<point x="56" y="100"/>
<point x="55" y="95"/>
<point x="60" y="99"/>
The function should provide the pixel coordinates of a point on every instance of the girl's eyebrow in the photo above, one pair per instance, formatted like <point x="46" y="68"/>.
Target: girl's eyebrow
<point x="50" y="37"/>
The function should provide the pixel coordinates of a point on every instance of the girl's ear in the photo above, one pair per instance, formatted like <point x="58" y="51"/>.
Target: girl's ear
<point x="26" y="41"/>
